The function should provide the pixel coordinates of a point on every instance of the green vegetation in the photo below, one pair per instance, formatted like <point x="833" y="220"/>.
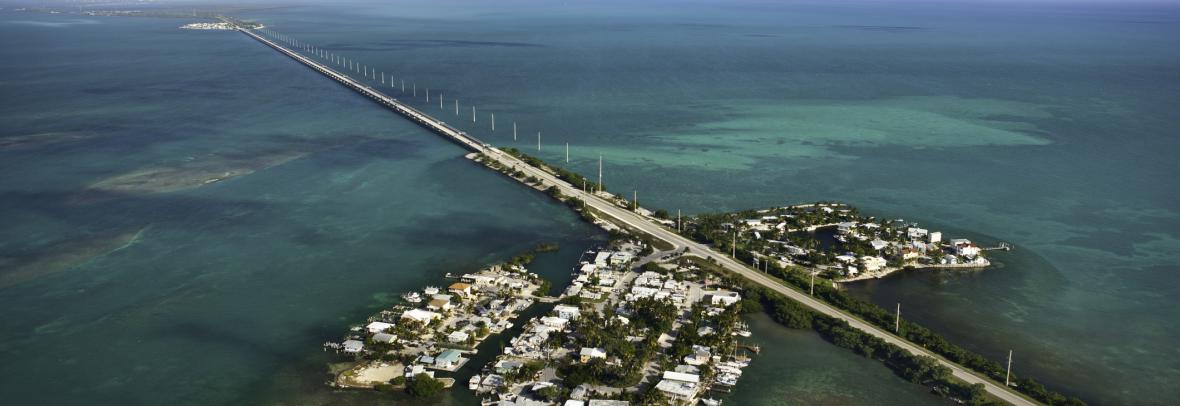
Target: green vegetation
<point x="564" y="174"/>
<point x="423" y="386"/>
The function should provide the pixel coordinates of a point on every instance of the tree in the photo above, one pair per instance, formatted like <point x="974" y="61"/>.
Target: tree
<point x="423" y="386"/>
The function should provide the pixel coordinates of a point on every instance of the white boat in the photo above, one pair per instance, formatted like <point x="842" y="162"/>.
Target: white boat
<point x="412" y="297"/>
<point x="710" y="402"/>
<point x="431" y="290"/>
<point x="473" y="383"/>
<point x="727" y="379"/>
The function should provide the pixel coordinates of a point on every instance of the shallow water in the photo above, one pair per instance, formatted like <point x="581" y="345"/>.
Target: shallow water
<point x="224" y="291"/>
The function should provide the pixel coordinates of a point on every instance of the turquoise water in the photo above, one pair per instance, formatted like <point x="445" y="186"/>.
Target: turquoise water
<point x="221" y="293"/>
<point x="1047" y="125"/>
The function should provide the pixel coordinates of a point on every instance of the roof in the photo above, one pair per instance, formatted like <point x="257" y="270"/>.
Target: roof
<point x="459" y="286"/>
<point x="384" y="338"/>
<point x="448" y="356"/>
<point x="592" y="352"/>
<point x="682" y="377"/>
<point x="439" y="303"/>
<point x="419" y="314"/>
<point x="353" y="346"/>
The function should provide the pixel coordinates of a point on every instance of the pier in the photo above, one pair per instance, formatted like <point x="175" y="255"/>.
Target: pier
<point x="637" y="222"/>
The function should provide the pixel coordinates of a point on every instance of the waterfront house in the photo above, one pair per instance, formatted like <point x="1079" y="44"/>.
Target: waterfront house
<point x="872" y="263"/>
<point x="935" y="237"/>
<point x="384" y="338"/>
<point x="353" y="346"/>
<point x="589" y="353"/>
<point x="677" y="390"/>
<point x="916" y="233"/>
<point x="419" y="315"/>
<point x="965" y="248"/>
<point x="439" y="305"/>
<point x="460" y="288"/>
<point x="458" y="337"/>
<point x="378" y="327"/>
<point x="555" y="322"/>
<point x="879" y="244"/>
<point x="448" y="359"/>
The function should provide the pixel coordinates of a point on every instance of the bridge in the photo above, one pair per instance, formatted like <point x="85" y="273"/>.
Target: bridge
<point x="641" y="223"/>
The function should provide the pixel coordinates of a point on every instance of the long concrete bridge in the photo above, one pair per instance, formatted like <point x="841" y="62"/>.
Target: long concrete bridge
<point x="641" y="223"/>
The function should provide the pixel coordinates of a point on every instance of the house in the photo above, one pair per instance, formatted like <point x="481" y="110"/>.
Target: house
<point x="413" y="371"/>
<point x="845" y="227"/>
<point x="935" y="237"/>
<point x="848" y="259"/>
<point x="567" y="312"/>
<point x="460" y="288"/>
<point x="556" y="322"/>
<point x="589" y="353"/>
<point x="916" y="233"/>
<point x="378" y="327"/>
<point x="620" y="258"/>
<point x="419" y="315"/>
<point x="722" y="297"/>
<point x="872" y="263"/>
<point x="588" y="269"/>
<point x="965" y="248"/>
<point x="682" y="377"/>
<point x="879" y="244"/>
<point x="384" y="338"/>
<point x="608" y="402"/>
<point x="448" y="359"/>
<point x="677" y="390"/>
<point x="439" y="304"/>
<point x="353" y="346"/>
<point x="458" y="337"/>
<point x="602" y="259"/>
<point x="908" y="253"/>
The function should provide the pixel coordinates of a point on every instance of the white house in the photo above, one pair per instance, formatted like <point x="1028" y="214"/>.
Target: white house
<point x="722" y="297"/>
<point x="589" y="353"/>
<point x="873" y="263"/>
<point x="556" y="322"/>
<point x="567" y="312"/>
<point x="458" y="337"/>
<point x="915" y="233"/>
<point x="384" y="338"/>
<point x="879" y="244"/>
<point x="965" y="248"/>
<point x="378" y="327"/>
<point x="353" y="346"/>
<point x="935" y="237"/>
<point x="419" y="315"/>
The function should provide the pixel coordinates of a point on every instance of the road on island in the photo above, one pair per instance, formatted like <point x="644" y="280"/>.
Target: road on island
<point x="638" y="222"/>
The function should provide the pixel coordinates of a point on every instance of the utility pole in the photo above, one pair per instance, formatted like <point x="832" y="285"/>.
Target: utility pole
<point x="635" y="200"/>
<point x="734" y="254"/>
<point x="567" y="152"/>
<point x="456" y="107"/>
<point x="600" y="173"/>
<point x="514" y="131"/>
<point x="428" y="95"/>
<point x="440" y="100"/>
<point x="1008" y="375"/>
<point x="678" y="228"/>
<point x="473" y="113"/>
<point x="897" y="320"/>
<point x="813" y="284"/>
<point x="493" y="122"/>
<point x="538" y="140"/>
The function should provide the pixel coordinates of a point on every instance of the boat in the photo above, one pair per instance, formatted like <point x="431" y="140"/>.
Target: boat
<point x="431" y="290"/>
<point x="710" y="402"/>
<point x="473" y="383"/>
<point x="412" y="297"/>
<point x="727" y="379"/>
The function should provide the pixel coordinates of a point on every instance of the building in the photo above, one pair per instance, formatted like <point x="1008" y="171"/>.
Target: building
<point x="872" y="263"/>
<point x="419" y="315"/>
<point x="460" y="288"/>
<point x="458" y="337"/>
<point x="916" y="233"/>
<point x="378" y="327"/>
<point x="555" y="322"/>
<point x="935" y="237"/>
<point x="567" y="312"/>
<point x="589" y="353"/>
<point x="722" y="297"/>
<point x="439" y="304"/>
<point x="965" y="247"/>
<point x="384" y="338"/>
<point x="353" y="346"/>
<point x="677" y="390"/>
<point x="448" y="359"/>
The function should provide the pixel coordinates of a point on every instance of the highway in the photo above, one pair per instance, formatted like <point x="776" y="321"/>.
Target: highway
<point x="638" y="222"/>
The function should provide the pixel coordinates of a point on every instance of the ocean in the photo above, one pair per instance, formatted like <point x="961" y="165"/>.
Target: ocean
<point x="128" y="280"/>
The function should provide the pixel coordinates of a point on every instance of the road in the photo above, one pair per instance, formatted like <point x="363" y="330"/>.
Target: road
<point x="637" y="222"/>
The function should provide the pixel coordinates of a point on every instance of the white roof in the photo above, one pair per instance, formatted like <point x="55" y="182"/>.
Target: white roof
<point x="420" y="315"/>
<point x="378" y="326"/>
<point x="353" y="346"/>
<point x="678" y="388"/>
<point x="682" y="377"/>
<point x="384" y="338"/>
